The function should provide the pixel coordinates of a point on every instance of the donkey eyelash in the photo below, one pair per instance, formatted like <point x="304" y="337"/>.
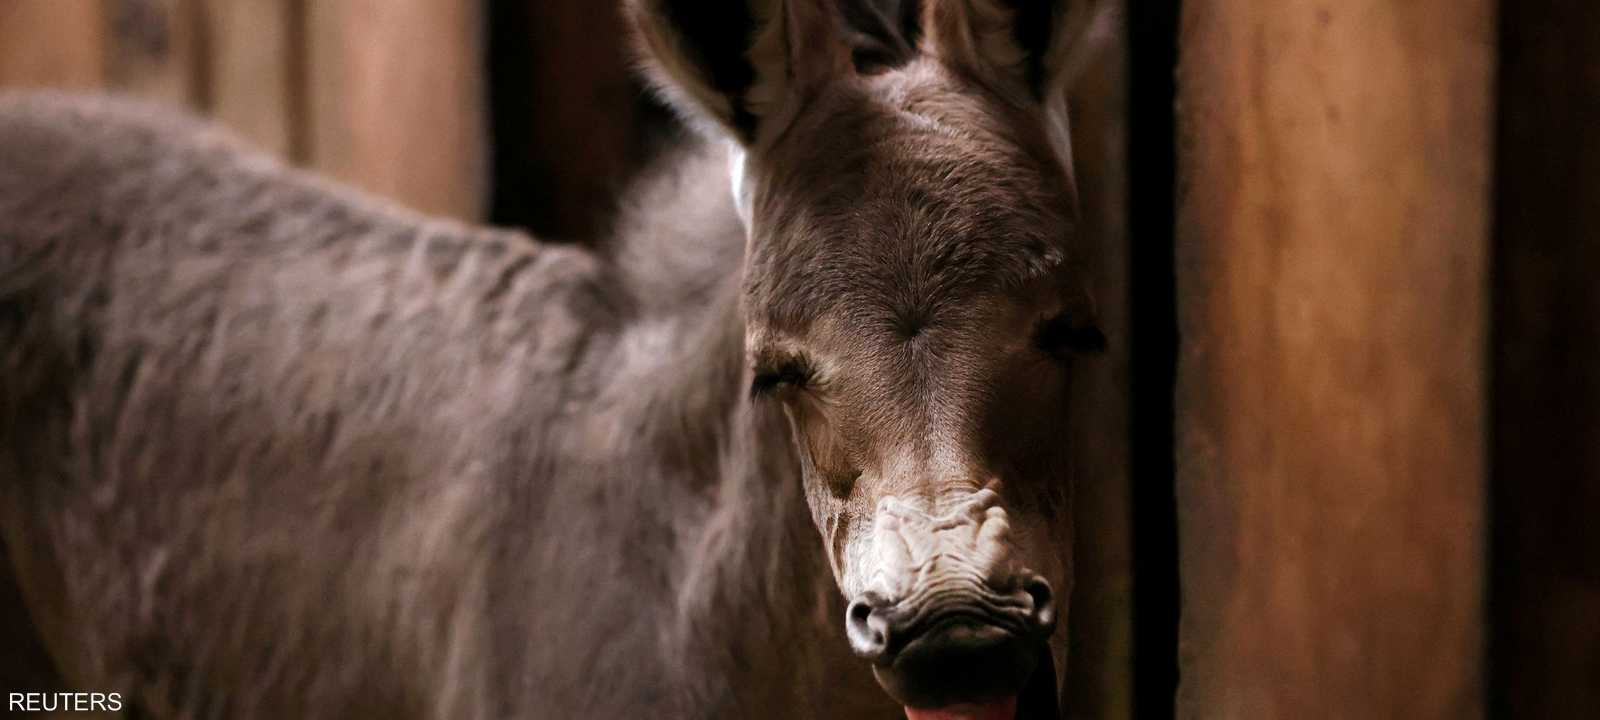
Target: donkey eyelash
<point x="1062" y="336"/>
<point x="793" y="373"/>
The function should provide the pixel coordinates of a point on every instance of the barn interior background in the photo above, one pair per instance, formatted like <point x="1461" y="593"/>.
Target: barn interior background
<point x="1343" y="457"/>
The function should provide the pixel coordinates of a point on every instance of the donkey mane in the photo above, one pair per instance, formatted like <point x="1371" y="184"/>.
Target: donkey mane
<point x="440" y="450"/>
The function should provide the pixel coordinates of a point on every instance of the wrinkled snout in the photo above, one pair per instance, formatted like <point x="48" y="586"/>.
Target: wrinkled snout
<point x="950" y="614"/>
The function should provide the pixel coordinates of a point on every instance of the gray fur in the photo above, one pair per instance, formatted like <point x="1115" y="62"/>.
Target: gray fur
<point x="270" y="448"/>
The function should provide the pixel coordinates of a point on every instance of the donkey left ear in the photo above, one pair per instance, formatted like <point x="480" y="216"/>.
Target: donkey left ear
<point x="1029" y="47"/>
<point x="739" y="64"/>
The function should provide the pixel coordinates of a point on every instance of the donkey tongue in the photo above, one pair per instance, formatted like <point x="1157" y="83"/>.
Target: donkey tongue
<point x="998" y="710"/>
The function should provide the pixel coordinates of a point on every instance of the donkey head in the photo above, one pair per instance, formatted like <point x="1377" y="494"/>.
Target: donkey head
<point x="912" y="303"/>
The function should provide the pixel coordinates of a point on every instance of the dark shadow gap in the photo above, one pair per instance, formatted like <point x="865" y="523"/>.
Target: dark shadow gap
<point x="1152" y="178"/>
<point x="1542" y="654"/>
<point x="570" y="122"/>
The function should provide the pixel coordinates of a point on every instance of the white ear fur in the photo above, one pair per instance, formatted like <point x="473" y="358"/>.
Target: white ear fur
<point x="1058" y="130"/>
<point x="1071" y="58"/>
<point x="740" y="183"/>
<point x="1086" y="34"/>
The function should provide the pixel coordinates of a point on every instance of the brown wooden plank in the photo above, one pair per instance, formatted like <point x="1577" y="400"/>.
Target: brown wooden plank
<point x="153" y="49"/>
<point x="1332" y="243"/>
<point x="1546" y="596"/>
<point x="51" y="43"/>
<point x="396" y="100"/>
<point x="1099" y="672"/>
<point x="250" y="57"/>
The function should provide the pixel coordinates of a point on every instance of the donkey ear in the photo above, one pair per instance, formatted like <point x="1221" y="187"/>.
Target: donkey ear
<point x="738" y="64"/>
<point x="1031" y="46"/>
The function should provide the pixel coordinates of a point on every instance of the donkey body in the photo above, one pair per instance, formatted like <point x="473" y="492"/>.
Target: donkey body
<point x="272" y="449"/>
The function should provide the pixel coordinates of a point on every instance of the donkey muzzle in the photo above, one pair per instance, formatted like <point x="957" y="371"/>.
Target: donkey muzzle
<point x="950" y="617"/>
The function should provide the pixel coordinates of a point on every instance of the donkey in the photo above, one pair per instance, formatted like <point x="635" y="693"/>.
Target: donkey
<point x="271" y="448"/>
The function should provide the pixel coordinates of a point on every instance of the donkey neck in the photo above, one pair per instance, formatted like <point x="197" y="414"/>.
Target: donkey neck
<point x="728" y="460"/>
<point x="754" y="600"/>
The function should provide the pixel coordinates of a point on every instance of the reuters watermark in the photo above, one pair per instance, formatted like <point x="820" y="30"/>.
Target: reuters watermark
<point x="63" y="702"/>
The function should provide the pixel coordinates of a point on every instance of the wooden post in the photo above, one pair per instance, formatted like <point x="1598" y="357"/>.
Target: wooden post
<point x="51" y="43"/>
<point x="153" y="50"/>
<point x="251" y="53"/>
<point x="1332" y="245"/>
<point x="396" y="100"/>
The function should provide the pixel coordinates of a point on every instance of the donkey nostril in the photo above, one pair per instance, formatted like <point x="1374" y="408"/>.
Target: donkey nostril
<point x="1044" y="608"/>
<point x="868" y="639"/>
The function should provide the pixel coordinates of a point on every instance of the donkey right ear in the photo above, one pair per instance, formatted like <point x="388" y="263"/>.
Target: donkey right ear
<point x="742" y="65"/>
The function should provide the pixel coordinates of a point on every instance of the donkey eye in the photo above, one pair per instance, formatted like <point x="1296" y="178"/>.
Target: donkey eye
<point x="792" y="373"/>
<point x="1065" y="335"/>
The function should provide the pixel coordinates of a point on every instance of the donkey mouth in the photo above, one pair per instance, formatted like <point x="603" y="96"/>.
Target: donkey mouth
<point x="1003" y="709"/>
<point x="972" y="671"/>
<point x="1036" y="701"/>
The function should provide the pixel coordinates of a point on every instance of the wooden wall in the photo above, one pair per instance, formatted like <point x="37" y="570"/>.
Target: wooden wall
<point x="1388" y="398"/>
<point x="385" y="94"/>
<point x="1332" y="242"/>
<point x="45" y="43"/>
<point x="395" y="93"/>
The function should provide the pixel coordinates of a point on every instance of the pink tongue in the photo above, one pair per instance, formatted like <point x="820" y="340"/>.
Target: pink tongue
<point x="998" y="710"/>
